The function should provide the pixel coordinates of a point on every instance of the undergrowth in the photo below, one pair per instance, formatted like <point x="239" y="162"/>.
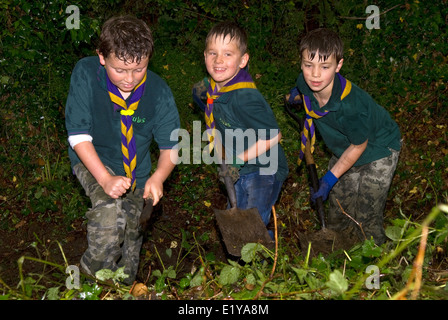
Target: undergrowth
<point x="403" y="65"/>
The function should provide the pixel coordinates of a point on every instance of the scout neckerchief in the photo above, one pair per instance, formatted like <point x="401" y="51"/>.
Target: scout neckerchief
<point x="128" y="146"/>
<point x="240" y="81"/>
<point x="308" y="128"/>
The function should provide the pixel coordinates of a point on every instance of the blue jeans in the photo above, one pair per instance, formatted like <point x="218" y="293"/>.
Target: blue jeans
<point x="258" y="191"/>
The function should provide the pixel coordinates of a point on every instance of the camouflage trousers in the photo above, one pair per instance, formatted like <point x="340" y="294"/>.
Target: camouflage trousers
<point x="362" y="194"/>
<point x="113" y="234"/>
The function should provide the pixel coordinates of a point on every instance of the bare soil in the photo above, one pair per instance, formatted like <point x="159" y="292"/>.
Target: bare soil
<point x="163" y="246"/>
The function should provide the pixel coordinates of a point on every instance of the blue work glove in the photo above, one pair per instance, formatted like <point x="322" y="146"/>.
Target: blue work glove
<point x="294" y="96"/>
<point x="326" y="183"/>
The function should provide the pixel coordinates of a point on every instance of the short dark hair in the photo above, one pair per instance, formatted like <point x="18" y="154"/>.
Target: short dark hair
<point x="129" y="38"/>
<point x="229" y="28"/>
<point x="326" y="41"/>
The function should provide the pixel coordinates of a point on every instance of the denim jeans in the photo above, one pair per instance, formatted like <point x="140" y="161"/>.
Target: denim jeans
<point x="258" y="191"/>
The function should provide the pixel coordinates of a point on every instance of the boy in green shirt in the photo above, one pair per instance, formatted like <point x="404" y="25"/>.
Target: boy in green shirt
<point x="114" y="110"/>
<point x="363" y="138"/>
<point x="238" y="114"/>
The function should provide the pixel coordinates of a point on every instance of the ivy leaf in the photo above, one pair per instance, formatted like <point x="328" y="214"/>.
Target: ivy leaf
<point x="337" y="282"/>
<point x="106" y="274"/>
<point x="394" y="233"/>
<point x="229" y="275"/>
<point x="301" y="273"/>
<point x="369" y="249"/>
<point x="249" y="251"/>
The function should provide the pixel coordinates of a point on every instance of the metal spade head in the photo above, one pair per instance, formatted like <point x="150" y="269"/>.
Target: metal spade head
<point x="239" y="227"/>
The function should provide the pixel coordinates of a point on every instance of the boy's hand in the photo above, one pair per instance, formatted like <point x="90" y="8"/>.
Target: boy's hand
<point x="115" y="186"/>
<point x="326" y="183"/>
<point x="153" y="186"/>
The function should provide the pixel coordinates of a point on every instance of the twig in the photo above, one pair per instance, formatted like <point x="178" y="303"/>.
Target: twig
<point x="276" y="242"/>
<point x="365" y="18"/>
<point x="415" y="278"/>
<point x="359" y="224"/>
<point x="260" y="292"/>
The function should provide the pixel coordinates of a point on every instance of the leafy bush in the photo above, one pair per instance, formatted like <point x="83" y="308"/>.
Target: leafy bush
<point x="403" y="65"/>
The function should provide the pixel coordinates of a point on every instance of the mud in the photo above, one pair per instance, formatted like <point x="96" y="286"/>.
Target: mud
<point x="325" y="241"/>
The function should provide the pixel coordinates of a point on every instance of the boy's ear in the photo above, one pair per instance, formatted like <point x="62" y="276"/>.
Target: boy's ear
<point x="244" y="60"/>
<point x="102" y="59"/>
<point x="340" y="63"/>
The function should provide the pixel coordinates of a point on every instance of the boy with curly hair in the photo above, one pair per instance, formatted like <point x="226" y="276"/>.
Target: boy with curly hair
<point x="115" y="108"/>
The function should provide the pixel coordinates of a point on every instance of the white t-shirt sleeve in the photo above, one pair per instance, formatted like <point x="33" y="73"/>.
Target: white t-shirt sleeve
<point x="74" y="140"/>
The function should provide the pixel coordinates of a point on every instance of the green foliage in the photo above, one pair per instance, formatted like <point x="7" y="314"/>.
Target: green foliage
<point x="403" y="65"/>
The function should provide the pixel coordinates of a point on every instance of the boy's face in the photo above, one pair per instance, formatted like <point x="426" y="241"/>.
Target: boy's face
<point x="319" y="75"/>
<point x="223" y="59"/>
<point x="126" y="76"/>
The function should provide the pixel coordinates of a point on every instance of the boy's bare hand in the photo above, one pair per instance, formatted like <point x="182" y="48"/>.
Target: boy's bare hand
<point x="153" y="186"/>
<point x="116" y="186"/>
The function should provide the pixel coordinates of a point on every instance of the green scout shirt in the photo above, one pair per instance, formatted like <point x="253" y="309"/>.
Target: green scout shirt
<point x="89" y="110"/>
<point x="354" y="120"/>
<point x="243" y="116"/>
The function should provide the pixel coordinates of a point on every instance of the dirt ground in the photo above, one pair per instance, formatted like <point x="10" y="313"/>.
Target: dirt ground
<point x="163" y="245"/>
<point x="52" y="242"/>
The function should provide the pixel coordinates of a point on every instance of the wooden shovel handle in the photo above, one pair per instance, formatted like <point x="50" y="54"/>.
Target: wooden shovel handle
<point x="311" y="166"/>
<point x="229" y="185"/>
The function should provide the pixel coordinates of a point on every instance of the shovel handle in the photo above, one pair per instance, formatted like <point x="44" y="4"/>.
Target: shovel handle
<point x="229" y="186"/>
<point x="311" y="166"/>
<point x="315" y="184"/>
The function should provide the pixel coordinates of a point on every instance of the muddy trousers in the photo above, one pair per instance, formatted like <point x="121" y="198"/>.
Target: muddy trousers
<point x="113" y="235"/>
<point x="362" y="193"/>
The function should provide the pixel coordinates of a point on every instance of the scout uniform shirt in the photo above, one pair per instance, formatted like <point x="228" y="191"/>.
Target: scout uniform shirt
<point x="353" y="120"/>
<point x="247" y="109"/>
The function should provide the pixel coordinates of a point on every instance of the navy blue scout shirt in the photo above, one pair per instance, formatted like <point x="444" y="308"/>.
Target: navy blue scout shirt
<point x="354" y="120"/>
<point x="89" y="110"/>
<point x="246" y="109"/>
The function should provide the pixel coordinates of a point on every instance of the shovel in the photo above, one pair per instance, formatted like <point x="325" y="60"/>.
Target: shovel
<point x="239" y="227"/>
<point x="146" y="213"/>
<point x="323" y="241"/>
<point x="311" y="167"/>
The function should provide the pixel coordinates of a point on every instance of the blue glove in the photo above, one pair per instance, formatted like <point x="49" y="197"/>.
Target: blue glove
<point x="326" y="183"/>
<point x="293" y="93"/>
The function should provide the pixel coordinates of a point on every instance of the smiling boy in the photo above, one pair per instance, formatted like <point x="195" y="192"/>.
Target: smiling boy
<point x="235" y="105"/>
<point x="115" y="108"/>
<point x="363" y="138"/>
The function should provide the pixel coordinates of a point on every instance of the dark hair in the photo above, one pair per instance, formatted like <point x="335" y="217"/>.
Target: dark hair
<point x="229" y="28"/>
<point x="325" y="41"/>
<point x="129" y="38"/>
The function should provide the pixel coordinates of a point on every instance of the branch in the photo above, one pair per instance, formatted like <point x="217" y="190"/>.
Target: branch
<point x="359" y="224"/>
<point x="365" y="18"/>
<point x="276" y="242"/>
<point x="415" y="278"/>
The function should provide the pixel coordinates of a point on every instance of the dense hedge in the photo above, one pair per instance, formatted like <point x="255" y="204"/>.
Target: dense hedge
<point x="402" y="64"/>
